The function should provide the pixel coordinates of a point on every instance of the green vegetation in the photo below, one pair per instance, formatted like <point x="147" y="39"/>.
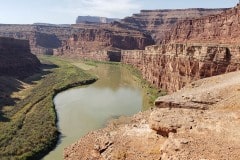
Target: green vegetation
<point x="152" y="93"/>
<point x="27" y="114"/>
<point x="28" y="127"/>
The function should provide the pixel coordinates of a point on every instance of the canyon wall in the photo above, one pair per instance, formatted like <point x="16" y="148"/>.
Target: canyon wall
<point x="102" y="39"/>
<point x="16" y="59"/>
<point x="220" y="28"/>
<point x="194" y="49"/>
<point x="42" y="38"/>
<point x="172" y="66"/>
<point x="157" y="22"/>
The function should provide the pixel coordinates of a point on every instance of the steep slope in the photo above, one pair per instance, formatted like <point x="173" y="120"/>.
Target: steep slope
<point x="192" y="50"/>
<point x="43" y="38"/>
<point x="101" y="41"/>
<point x="172" y="66"/>
<point x="220" y="28"/>
<point x="193" y="123"/>
<point x="157" y="22"/>
<point x="16" y="59"/>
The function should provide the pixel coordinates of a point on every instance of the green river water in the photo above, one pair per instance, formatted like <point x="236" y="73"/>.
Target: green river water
<point x="80" y="110"/>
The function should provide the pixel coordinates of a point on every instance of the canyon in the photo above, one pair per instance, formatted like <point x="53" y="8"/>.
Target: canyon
<point x="16" y="59"/>
<point x="103" y="41"/>
<point x="178" y="128"/>
<point x="193" y="54"/>
<point x="199" y="119"/>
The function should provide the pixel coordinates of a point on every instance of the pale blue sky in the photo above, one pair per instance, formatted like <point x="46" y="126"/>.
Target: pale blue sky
<point x="66" y="11"/>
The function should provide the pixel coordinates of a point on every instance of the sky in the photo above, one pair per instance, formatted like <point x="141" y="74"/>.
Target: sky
<point x="66" y="11"/>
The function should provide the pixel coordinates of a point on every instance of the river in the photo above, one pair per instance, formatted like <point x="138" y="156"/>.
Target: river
<point x="80" y="110"/>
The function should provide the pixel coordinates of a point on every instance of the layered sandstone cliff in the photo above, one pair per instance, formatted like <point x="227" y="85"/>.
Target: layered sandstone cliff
<point x="43" y="38"/>
<point x="95" y="42"/>
<point x="16" y="59"/>
<point x="157" y="22"/>
<point x="220" y="28"/>
<point x="172" y="66"/>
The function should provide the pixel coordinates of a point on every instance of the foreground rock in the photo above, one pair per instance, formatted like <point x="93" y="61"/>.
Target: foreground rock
<point x="189" y="130"/>
<point x="16" y="59"/>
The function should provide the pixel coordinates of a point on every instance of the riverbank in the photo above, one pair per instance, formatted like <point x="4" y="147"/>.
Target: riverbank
<point x="151" y="92"/>
<point x="201" y="121"/>
<point x="28" y="124"/>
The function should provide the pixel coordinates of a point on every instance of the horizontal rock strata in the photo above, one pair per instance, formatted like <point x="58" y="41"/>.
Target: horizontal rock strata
<point x="172" y="66"/>
<point x="100" y="40"/>
<point x="220" y="28"/>
<point x="157" y="22"/>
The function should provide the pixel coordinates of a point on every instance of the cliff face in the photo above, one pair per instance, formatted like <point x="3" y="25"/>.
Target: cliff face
<point x="172" y="66"/>
<point x="16" y="59"/>
<point x="99" y="39"/>
<point x="42" y="38"/>
<point x="219" y="28"/>
<point x="157" y="22"/>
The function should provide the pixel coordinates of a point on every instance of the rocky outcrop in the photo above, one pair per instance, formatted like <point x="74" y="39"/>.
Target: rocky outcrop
<point x="172" y="66"/>
<point x="220" y="28"/>
<point x="157" y="22"/>
<point x="99" y="40"/>
<point x="95" y="19"/>
<point x="185" y="131"/>
<point x="16" y="59"/>
<point x="42" y="38"/>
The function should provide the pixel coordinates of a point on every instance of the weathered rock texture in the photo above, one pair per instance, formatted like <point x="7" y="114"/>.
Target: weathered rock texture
<point x="95" y="42"/>
<point x="43" y="38"/>
<point x="172" y="66"/>
<point x="16" y="59"/>
<point x="157" y="22"/>
<point x="219" y="28"/>
<point x="181" y="131"/>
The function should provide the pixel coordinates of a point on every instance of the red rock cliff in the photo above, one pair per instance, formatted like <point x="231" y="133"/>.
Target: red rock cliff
<point x="16" y="59"/>
<point x="157" y="22"/>
<point x="193" y="49"/>
<point x="98" y="40"/>
<point x="219" y="28"/>
<point x="172" y="66"/>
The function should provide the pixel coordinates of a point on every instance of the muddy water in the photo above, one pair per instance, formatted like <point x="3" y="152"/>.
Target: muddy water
<point x="80" y="110"/>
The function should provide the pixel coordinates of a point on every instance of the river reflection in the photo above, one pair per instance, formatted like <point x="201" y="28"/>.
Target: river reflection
<point x="80" y="110"/>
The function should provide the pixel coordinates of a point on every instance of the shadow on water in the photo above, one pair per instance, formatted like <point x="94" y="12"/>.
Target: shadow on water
<point x="9" y="85"/>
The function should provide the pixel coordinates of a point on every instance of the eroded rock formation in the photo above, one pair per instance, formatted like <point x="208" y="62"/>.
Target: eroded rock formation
<point x="16" y="59"/>
<point x="42" y="38"/>
<point x="172" y="66"/>
<point x="157" y="22"/>
<point x="220" y="28"/>
<point x="95" y="42"/>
